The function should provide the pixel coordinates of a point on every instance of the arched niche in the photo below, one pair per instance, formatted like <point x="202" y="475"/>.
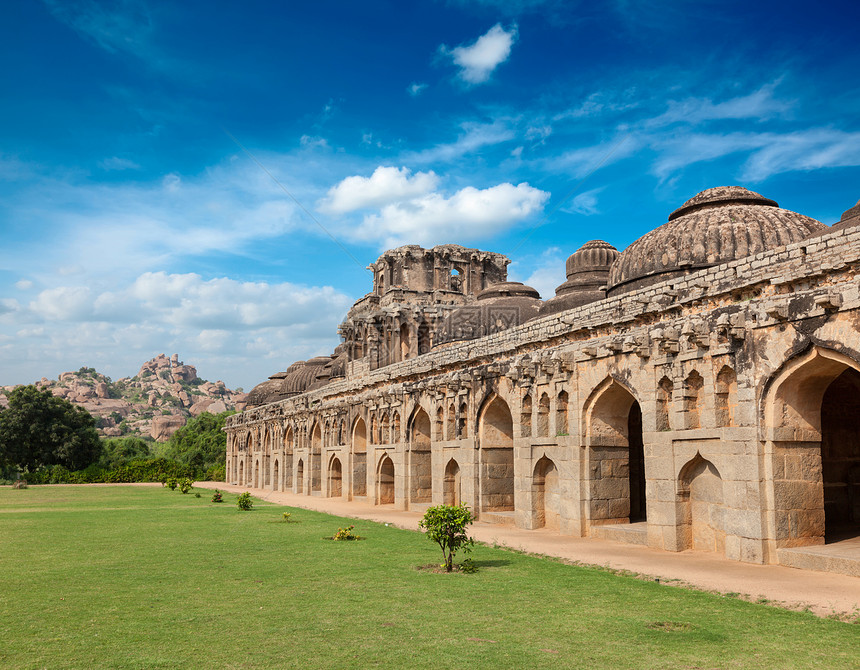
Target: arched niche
<point x="385" y="481"/>
<point x="420" y="474"/>
<point x="702" y="512"/>
<point x="546" y="495"/>
<point x="811" y="431"/>
<point x="359" y="458"/>
<point x="616" y="455"/>
<point x="496" y="442"/>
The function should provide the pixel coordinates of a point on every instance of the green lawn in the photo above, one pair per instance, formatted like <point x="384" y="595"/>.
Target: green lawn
<point x="121" y="577"/>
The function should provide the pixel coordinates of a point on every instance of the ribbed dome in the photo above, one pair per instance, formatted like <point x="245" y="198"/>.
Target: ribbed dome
<point x="508" y="289"/>
<point x="594" y="255"/>
<point x="587" y="274"/>
<point x="715" y="226"/>
<point x="262" y="394"/>
<point x="303" y="376"/>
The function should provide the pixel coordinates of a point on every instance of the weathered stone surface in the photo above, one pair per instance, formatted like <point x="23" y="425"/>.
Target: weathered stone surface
<point x="711" y="401"/>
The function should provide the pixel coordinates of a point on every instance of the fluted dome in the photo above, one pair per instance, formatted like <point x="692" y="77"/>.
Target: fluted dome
<point x="264" y="393"/>
<point x="300" y="379"/>
<point x="525" y="299"/>
<point x="594" y="255"/>
<point x="715" y="226"/>
<point x="587" y="273"/>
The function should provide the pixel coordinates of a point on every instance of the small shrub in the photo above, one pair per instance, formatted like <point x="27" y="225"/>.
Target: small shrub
<point x="287" y="516"/>
<point x="217" y="496"/>
<point x="345" y="534"/>
<point x="197" y="495"/>
<point x="244" y="501"/>
<point x="446" y="526"/>
<point x="185" y="484"/>
<point x="171" y="483"/>
<point x="19" y="484"/>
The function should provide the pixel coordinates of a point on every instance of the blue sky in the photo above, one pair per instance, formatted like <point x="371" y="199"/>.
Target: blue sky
<point x="152" y="154"/>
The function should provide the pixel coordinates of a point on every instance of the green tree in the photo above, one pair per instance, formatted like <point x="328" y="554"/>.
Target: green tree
<point x="119" y="451"/>
<point x="446" y="526"/>
<point x="38" y="429"/>
<point x="201" y="443"/>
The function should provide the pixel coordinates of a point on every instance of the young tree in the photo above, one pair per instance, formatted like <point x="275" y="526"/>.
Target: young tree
<point x="38" y="429"/>
<point x="446" y="526"/>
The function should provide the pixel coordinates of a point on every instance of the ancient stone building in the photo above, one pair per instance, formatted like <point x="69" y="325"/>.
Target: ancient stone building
<point x="700" y="390"/>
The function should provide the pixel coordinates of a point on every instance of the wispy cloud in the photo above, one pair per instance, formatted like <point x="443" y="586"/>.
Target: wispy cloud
<point x="473" y="137"/>
<point x="478" y="60"/>
<point x="415" y="89"/>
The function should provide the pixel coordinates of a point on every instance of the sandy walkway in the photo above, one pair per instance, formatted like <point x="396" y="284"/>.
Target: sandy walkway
<point x="823" y="593"/>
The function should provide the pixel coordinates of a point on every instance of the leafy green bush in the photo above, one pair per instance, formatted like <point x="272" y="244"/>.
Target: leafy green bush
<point x="446" y="526"/>
<point x="217" y="496"/>
<point x="171" y="483"/>
<point x="244" y="501"/>
<point x="216" y="473"/>
<point x="144" y="470"/>
<point x="287" y="516"/>
<point x="185" y="484"/>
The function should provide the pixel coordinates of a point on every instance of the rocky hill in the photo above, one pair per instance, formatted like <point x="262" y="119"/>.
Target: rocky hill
<point x="156" y="402"/>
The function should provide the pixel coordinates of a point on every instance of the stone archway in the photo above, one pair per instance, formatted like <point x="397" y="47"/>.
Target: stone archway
<point x="359" y="458"/>
<point x="546" y="495"/>
<point x="276" y="476"/>
<point x="420" y="474"/>
<point x="812" y="444"/>
<point x="702" y="512"/>
<point x="385" y="481"/>
<point x="616" y="458"/>
<point x="496" y="441"/>
<point x="335" y="478"/>
<point x="314" y="458"/>
<point x="300" y="476"/>
<point x="451" y="494"/>
<point x="241" y="473"/>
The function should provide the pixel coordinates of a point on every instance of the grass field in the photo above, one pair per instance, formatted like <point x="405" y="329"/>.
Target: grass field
<point x="131" y="577"/>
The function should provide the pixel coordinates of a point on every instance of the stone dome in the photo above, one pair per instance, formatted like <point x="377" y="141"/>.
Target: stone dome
<point x="587" y="274"/>
<point x="300" y="379"/>
<point x="715" y="226"/>
<point x="264" y="393"/>
<point x="850" y="218"/>
<point x="512" y="294"/>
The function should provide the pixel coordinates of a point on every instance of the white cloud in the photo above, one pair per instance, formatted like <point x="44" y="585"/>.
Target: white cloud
<point x="384" y="186"/>
<point x="118" y="163"/>
<point x="247" y="324"/>
<point x="313" y="141"/>
<point x="811" y="149"/>
<point x="470" y="213"/>
<point x="478" y="60"/>
<point x="584" y="203"/>
<point x="415" y="89"/>
<point x="473" y="136"/>
<point x="545" y="275"/>
<point x="23" y="284"/>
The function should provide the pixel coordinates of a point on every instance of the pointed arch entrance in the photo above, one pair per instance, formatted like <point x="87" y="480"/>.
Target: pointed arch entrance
<point x="546" y="495"/>
<point x="812" y="418"/>
<point x="702" y="512"/>
<point x="315" y="457"/>
<point x="359" y="458"/>
<point x="300" y="476"/>
<point x="496" y="441"/>
<point x="335" y="478"/>
<point x="276" y="477"/>
<point x="385" y="481"/>
<point x="420" y="475"/>
<point x="616" y="456"/>
<point x="451" y="484"/>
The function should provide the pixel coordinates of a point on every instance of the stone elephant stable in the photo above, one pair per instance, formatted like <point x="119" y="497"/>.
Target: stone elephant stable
<point x="700" y="390"/>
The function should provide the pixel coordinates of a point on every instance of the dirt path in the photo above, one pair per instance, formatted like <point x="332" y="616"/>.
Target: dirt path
<point x="822" y="593"/>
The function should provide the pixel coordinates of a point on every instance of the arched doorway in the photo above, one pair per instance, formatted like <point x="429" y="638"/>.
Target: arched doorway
<point x="812" y="415"/>
<point x="335" y="478"/>
<point x="616" y="454"/>
<point x="276" y="477"/>
<point x="546" y="495"/>
<point x="420" y="475"/>
<point x="496" y="440"/>
<point x="359" y="458"/>
<point x="385" y="482"/>
<point x="315" y="457"/>
<point x="451" y="484"/>
<point x="289" y="441"/>
<point x="702" y="514"/>
<point x="241" y="473"/>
